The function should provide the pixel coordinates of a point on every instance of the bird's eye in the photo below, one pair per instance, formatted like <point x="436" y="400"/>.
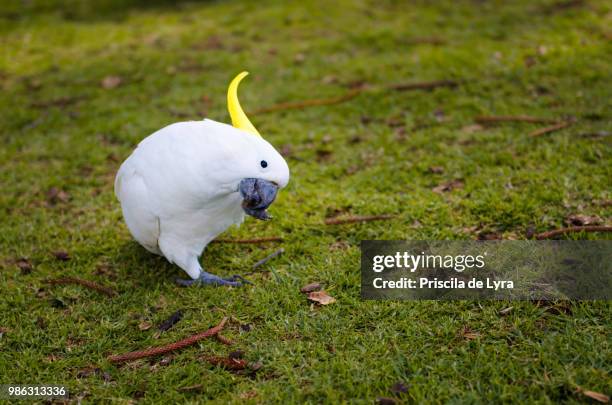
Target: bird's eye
<point x="263" y="164"/>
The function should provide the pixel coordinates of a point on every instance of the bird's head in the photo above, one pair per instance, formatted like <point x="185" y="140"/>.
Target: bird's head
<point x="262" y="170"/>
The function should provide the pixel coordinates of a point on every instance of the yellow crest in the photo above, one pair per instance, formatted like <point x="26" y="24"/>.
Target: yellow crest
<point x="239" y="118"/>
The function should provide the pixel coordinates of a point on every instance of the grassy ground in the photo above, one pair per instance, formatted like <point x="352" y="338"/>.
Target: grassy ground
<point x="64" y="135"/>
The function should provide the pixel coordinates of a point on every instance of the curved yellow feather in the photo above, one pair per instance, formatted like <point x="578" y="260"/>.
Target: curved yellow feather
<point x="239" y="118"/>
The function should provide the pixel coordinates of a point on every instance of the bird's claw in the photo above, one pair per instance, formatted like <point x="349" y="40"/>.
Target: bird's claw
<point x="210" y="279"/>
<point x="240" y="279"/>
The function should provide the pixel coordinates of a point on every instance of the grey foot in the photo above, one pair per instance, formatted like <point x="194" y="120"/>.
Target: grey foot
<point x="210" y="279"/>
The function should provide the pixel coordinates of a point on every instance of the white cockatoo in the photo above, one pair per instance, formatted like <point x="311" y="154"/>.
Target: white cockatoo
<point x="190" y="181"/>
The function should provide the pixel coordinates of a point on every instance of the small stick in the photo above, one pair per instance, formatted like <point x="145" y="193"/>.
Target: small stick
<point x="483" y="119"/>
<point x="155" y="351"/>
<point x="244" y="241"/>
<point x="224" y="340"/>
<point x="552" y="128"/>
<point x="562" y="231"/>
<point x="308" y="103"/>
<point x="349" y="220"/>
<point x="268" y="258"/>
<point x="85" y="283"/>
<point x="424" y="85"/>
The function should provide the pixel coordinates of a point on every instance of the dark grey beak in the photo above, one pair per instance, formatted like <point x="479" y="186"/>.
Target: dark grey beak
<point x="257" y="195"/>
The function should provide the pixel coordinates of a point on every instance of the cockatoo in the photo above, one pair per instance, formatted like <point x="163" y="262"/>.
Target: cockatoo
<point x="188" y="182"/>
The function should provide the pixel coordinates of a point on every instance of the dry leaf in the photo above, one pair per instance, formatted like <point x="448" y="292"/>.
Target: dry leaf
<point x="506" y="311"/>
<point x="55" y="195"/>
<point x="448" y="186"/>
<point x="226" y="362"/>
<point x="436" y="169"/>
<point x="61" y="255"/>
<point x="145" y="325"/>
<point x="24" y="265"/>
<point x="110" y="82"/>
<point x="594" y="395"/>
<point x="339" y="245"/>
<point x="88" y="372"/>
<point x="469" y="334"/>
<point x="580" y="219"/>
<point x="489" y="235"/>
<point x="248" y="394"/>
<point x="311" y="287"/>
<point x="385" y="401"/>
<point x="321" y="297"/>
<point x="470" y="129"/>
<point x="399" y="388"/>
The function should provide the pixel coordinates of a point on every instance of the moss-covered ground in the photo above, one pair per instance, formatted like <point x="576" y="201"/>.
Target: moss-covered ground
<point x="83" y="84"/>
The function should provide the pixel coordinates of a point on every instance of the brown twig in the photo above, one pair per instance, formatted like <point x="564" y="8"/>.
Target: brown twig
<point x="244" y="241"/>
<point x="572" y="229"/>
<point x="155" y="351"/>
<point x="349" y="220"/>
<point x="552" y="128"/>
<point x="85" y="283"/>
<point x="484" y="119"/>
<point x="308" y="103"/>
<point x="268" y="258"/>
<point x="424" y="85"/>
<point x="224" y="340"/>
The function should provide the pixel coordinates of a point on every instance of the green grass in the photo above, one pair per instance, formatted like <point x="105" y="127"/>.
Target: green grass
<point x="528" y="58"/>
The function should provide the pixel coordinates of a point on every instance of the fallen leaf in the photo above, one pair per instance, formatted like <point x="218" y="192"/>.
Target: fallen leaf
<point x="226" y="362"/>
<point x="55" y="195"/>
<point x="399" y="388"/>
<point x="88" y="372"/>
<point x="311" y="287"/>
<point x="580" y="219"/>
<point x="470" y="129"/>
<point x="469" y="334"/>
<point x="236" y="354"/>
<point x="330" y="79"/>
<point x="145" y="325"/>
<point x="321" y="297"/>
<point x="489" y="235"/>
<point x="51" y="358"/>
<point x="506" y="311"/>
<point x="168" y="323"/>
<point x="24" y="265"/>
<point x="41" y="323"/>
<point x="436" y="169"/>
<point x="323" y="154"/>
<point x="439" y="115"/>
<point x="594" y="395"/>
<point x="196" y="387"/>
<point x="248" y="394"/>
<point x="339" y="245"/>
<point x="385" y="401"/>
<point x="448" y="186"/>
<point x="110" y="82"/>
<point x="61" y="255"/>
